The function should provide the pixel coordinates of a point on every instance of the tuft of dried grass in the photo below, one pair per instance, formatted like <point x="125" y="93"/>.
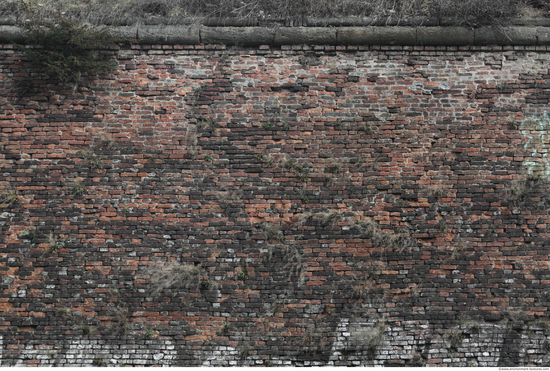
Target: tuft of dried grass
<point x="368" y="338"/>
<point x="167" y="274"/>
<point x="402" y="241"/>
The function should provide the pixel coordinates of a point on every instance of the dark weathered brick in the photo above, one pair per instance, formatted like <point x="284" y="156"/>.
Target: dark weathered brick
<point x="308" y="196"/>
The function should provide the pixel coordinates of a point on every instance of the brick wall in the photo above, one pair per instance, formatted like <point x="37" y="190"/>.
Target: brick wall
<point x="211" y="205"/>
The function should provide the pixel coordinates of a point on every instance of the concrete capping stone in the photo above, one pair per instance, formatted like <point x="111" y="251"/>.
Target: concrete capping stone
<point x="357" y="36"/>
<point x="246" y="36"/>
<point x="543" y="36"/>
<point x="353" y="35"/>
<point x="9" y="34"/>
<point x="305" y="35"/>
<point x="506" y="36"/>
<point x="171" y="35"/>
<point x="8" y="21"/>
<point x="376" y="36"/>
<point x="130" y="33"/>
<point x="396" y="36"/>
<point x="445" y="36"/>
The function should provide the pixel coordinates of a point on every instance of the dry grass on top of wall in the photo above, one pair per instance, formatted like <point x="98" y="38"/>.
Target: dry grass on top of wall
<point x="465" y="12"/>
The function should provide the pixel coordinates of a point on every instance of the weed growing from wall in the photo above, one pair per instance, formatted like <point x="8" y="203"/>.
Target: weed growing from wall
<point x="87" y="329"/>
<point x="29" y="234"/>
<point x="98" y="362"/>
<point x="150" y="333"/>
<point x="66" y="49"/>
<point x="363" y="288"/>
<point x="94" y="161"/>
<point x="367" y="339"/>
<point x="166" y="275"/>
<point x="294" y="258"/>
<point x="266" y="159"/>
<point x="417" y="359"/>
<point x="53" y="244"/>
<point x="455" y="338"/>
<point x="321" y="218"/>
<point x="243" y="273"/>
<point x="206" y="123"/>
<point x="517" y="190"/>
<point x="78" y="188"/>
<point x="224" y="328"/>
<point x="314" y="341"/>
<point x="267" y="125"/>
<point x="229" y="201"/>
<point x="298" y="170"/>
<point x="367" y="129"/>
<point x="22" y="87"/>
<point x="273" y="233"/>
<point x="335" y="167"/>
<point x="396" y="241"/>
<point x="244" y="350"/>
<point x="520" y="190"/>
<point x="120" y="320"/>
<point x="190" y="140"/>
<point x="10" y="198"/>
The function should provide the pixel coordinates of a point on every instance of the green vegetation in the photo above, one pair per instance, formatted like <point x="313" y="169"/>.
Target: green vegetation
<point x="205" y="286"/>
<point x="78" y="188"/>
<point x="513" y="125"/>
<point x="29" y="234"/>
<point x="266" y="159"/>
<point x="53" y="244"/>
<point x="63" y="311"/>
<point x="301" y="173"/>
<point x="224" y="328"/>
<point x="10" y="198"/>
<point x="267" y="125"/>
<point x="150" y="333"/>
<point x="65" y="49"/>
<point x="243" y="273"/>
<point x="367" y="129"/>
<point x="98" y="362"/>
<point x="87" y="329"/>
<point x="95" y="162"/>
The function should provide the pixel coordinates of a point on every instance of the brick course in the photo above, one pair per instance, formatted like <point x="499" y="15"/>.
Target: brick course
<point x="293" y="205"/>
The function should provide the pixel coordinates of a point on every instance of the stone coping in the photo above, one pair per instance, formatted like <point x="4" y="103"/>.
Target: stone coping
<point x="346" y="35"/>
